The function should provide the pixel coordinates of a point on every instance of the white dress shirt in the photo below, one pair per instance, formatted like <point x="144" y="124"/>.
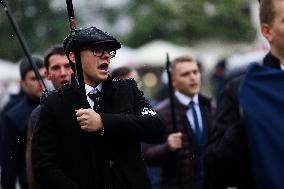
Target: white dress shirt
<point x="183" y="99"/>
<point x="91" y="90"/>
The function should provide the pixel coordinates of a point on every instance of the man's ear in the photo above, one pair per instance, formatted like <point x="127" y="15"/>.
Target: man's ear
<point x="23" y="84"/>
<point x="173" y="81"/>
<point x="47" y="74"/>
<point x="265" y="30"/>
<point x="71" y="57"/>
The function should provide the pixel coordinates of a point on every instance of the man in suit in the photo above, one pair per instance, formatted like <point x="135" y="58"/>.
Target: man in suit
<point x="180" y="156"/>
<point x="15" y="123"/>
<point x="97" y="147"/>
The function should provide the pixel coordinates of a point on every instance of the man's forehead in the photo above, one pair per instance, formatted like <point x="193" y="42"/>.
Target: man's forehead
<point x="58" y="58"/>
<point x="31" y="73"/>
<point x="188" y="64"/>
<point x="185" y="67"/>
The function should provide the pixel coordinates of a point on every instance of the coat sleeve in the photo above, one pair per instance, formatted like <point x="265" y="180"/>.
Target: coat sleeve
<point x="32" y="123"/>
<point x="159" y="154"/>
<point x="142" y="125"/>
<point x="224" y="156"/>
<point x="45" y="152"/>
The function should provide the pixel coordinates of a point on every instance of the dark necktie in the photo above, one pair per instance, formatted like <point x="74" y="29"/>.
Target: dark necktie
<point x="198" y="134"/>
<point x="95" y="98"/>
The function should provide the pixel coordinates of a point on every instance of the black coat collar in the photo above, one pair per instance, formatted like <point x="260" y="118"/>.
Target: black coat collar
<point x="108" y="88"/>
<point x="271" y="61"/>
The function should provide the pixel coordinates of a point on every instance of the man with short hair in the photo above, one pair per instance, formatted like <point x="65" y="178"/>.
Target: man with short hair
<point x="228" y="159"/>
<point x="15" y="126"/>
<point x="59" y="73"/>
<point x="180" y="156"/>
<point x="97" y="147"/>
<point x="59" y="70"/>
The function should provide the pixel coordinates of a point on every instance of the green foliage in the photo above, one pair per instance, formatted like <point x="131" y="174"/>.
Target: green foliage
<point x="180" y="21"/>
<point x="40" y="24"/>
<point x="186" y="21"/>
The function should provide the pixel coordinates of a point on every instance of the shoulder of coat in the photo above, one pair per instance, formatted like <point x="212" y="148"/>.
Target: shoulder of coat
<point x="56" y="93"/>
<point x="124" y="82"/>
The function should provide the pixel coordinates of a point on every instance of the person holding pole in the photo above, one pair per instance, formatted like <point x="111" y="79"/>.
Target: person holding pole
<point x="16" y="119"/>
<point x="15" y="123"/>
<point x="180" y="156"/>
<point x="94" y="147"/>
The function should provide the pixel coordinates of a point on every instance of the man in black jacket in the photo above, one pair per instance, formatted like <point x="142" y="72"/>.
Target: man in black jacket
<point x="15" y="123"/>
<point x="82" y="148"/>
<point x="227" y="157"/>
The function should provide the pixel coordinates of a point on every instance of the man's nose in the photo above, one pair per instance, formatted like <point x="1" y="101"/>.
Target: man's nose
<point x="41" y="86"/>
<point x="191" y="76"/>
<point x="63" y="71"/>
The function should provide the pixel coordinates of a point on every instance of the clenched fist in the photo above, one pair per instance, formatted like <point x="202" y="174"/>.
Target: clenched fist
<point x="89" y="120"/>
<point x="174" y="141"/>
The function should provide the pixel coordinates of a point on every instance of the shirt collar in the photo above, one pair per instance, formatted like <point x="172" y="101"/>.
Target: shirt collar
<point x="183" y="99"/>
<point x="90" y="89"/>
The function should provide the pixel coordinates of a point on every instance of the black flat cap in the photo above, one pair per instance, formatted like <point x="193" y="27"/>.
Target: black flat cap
<point x="91" y="36"/>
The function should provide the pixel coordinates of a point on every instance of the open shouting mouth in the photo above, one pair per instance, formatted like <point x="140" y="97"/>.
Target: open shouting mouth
<point x="103" y="67"/>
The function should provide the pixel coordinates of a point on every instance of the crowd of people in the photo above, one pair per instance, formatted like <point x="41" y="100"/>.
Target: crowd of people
<point x="102" y="132"/>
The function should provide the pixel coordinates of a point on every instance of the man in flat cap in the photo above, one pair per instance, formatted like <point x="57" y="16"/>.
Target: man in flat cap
<point x="97" y="147"/>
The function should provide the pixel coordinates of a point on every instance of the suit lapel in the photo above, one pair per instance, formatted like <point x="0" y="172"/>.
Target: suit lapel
<point x="106" y="96"/>
<point x="203" y="105"/>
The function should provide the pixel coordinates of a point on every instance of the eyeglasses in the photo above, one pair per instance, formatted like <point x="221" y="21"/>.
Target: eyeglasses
<point x="99" y="51"/>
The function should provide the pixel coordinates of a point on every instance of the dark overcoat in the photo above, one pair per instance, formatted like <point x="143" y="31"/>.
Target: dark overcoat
<point x="66" y="157"/>
<point x="15" y="123"/>
<point x="13" y="100"/>
<point x="177" y="168"/>
<point x="227" y="158"/>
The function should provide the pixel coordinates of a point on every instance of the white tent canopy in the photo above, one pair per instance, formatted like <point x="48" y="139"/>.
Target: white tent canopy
<point x="154" y="53"/>
<point x="124" y="57"/>
<point x="239" y="62"/>
<point x="8" y="71"/>
<point x="9" y="80"/>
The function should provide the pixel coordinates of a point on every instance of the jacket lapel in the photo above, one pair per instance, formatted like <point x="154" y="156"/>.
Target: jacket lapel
<point x="107" y="95"/>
